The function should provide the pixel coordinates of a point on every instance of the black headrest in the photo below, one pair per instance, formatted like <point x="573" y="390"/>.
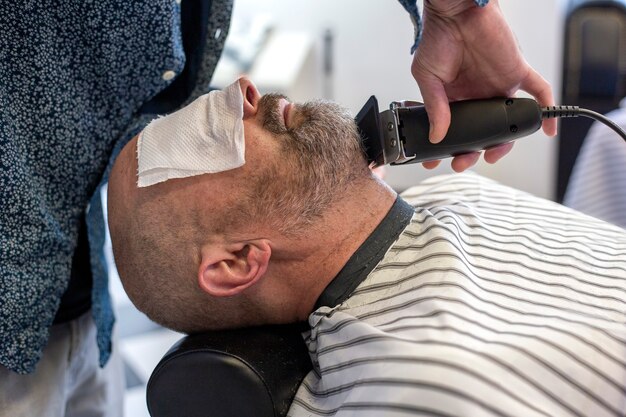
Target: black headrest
<point x="244" y="372"/>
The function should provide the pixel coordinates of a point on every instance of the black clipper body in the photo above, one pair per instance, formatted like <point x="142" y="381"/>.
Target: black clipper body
<point x="400" y="135"/>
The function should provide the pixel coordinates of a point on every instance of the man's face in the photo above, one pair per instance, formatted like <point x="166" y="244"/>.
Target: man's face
<point x="318" y="133"/>
<point x="306" y="146"/>
<point x="299" y="159"/>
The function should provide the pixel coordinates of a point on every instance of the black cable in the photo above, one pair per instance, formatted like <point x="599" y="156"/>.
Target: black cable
<point x="574" y="111"/>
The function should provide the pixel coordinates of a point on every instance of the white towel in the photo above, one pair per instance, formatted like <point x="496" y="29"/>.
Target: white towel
<point x="204" y="137"/>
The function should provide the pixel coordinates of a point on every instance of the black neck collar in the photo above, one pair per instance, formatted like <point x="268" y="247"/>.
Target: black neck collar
<point x="368" y="255"/>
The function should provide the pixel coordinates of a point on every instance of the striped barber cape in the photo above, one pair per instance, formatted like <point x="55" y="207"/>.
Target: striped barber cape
<point x="491" y="302"/>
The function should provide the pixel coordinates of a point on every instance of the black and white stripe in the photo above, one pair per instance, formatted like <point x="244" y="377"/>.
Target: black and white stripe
<point x="491" y="303"/>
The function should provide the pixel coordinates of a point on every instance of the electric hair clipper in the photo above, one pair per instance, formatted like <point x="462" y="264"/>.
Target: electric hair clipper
<point x="400" y="135"/>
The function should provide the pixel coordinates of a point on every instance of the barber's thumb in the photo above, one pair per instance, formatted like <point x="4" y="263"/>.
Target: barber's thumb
<point x="439" y="119"/>
<point x="437" y="108"/>
<point x="435" y="102"/>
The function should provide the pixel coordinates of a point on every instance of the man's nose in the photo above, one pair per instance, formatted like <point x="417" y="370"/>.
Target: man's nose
<point x="251" y="97"/>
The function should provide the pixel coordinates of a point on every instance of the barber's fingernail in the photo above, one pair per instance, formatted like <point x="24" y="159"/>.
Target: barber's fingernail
<point x="431" y="137"/>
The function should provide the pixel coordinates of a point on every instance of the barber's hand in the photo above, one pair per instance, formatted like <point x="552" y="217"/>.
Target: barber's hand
<point x="468" y="52"/>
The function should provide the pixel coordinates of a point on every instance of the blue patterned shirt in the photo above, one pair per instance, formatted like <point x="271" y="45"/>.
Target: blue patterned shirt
<point x="76" y="75"/>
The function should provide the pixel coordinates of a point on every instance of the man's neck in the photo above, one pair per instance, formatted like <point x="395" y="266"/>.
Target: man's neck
<point x="302" y="268"/>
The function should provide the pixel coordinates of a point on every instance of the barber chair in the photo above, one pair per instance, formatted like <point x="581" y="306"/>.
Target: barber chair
<point x="234" y="373"/>
<point x="594" y="72"/>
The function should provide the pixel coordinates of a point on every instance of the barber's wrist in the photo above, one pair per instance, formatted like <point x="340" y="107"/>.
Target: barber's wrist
<point x="453" y="8"/>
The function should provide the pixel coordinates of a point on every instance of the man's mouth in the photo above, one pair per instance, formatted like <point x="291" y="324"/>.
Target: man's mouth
<point x="284" y="107"/>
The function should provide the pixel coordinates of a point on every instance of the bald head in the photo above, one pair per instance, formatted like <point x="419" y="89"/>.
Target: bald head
<point x="300" y="161"/>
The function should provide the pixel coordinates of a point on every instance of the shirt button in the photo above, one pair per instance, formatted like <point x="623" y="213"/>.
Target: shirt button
<point x="168" y="75"/>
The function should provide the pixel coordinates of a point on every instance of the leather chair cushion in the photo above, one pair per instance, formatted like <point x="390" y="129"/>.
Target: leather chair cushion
<point x="243" y="372"/>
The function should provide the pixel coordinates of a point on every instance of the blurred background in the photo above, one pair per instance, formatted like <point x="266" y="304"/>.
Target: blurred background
<point x="349" y="50"/>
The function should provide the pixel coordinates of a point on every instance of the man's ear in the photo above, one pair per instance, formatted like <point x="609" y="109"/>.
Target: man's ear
<point x="228" y="270"/>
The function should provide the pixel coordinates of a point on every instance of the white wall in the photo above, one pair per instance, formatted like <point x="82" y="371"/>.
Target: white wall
<point x="371" y="56"/>
<point x="532" y="164"/>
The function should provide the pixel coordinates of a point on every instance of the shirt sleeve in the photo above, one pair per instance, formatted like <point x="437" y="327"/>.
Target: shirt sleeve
<point x="411" y="7"/>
